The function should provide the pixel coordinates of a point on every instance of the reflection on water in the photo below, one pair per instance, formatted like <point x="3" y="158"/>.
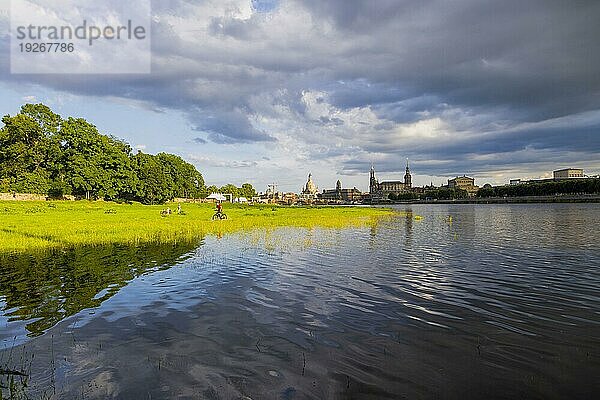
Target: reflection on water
<point x="469" y="302"/>
<point x="46" y="287"/>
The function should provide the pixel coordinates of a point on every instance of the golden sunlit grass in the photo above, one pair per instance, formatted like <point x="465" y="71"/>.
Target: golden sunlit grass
<point x="26" y="226"/>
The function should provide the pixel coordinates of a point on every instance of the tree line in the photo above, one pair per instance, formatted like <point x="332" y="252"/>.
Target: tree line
<point x="43" y="153"/>
<point x="547" y="188"/>
<point x="550" y="188"/>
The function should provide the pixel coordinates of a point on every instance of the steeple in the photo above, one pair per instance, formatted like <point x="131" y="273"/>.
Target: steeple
<point x="373" y="184"/>
<point x="407" y="176"/>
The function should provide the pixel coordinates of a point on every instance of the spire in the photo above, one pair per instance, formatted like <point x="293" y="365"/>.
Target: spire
<point x="407" y="176"/>
<point x="372" y="180"/>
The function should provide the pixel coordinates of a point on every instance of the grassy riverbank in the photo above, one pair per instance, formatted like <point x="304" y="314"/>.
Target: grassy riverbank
<point x="26" y="226"/>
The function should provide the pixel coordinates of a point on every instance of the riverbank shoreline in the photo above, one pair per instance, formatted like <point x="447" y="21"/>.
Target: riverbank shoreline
<point x="595" y="198"/>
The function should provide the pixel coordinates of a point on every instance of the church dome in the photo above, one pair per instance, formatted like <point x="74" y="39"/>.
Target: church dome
<point x="310" y="186"/>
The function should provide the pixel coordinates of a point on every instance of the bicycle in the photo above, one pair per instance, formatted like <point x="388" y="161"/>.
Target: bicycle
<point x="219" y="216"/>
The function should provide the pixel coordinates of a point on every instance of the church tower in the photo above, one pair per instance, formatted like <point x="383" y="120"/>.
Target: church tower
<point x="310" y="187"/>
<point x="407" y="176"/>
<point x="373" y="184"/>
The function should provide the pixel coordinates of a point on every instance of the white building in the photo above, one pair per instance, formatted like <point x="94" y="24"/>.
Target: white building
<point x="568" y="173"/>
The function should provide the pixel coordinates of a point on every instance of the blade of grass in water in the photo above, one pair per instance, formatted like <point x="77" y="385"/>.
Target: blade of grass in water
<point x="26" y="226"/>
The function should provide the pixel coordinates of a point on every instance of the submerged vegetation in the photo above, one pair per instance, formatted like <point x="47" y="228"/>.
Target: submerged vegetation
<point x="27" y="226"/>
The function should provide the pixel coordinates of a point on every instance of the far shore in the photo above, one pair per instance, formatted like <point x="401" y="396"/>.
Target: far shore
<point x="560" y="198"/>
<point x="583" y="198"/>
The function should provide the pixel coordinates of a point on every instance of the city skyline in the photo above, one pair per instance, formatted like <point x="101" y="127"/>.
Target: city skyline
<point x="260" y="91"/>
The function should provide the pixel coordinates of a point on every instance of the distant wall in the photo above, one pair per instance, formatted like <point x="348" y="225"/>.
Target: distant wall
<point x="29" y="197"/>
<point x="22" y="197"/>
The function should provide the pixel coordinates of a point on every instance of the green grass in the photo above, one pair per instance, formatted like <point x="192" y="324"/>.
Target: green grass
<point x="28" y="226"/>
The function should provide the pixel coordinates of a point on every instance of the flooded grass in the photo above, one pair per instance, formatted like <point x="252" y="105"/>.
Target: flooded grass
<point x="26" y="226"/>
<point x="436" y="301"/>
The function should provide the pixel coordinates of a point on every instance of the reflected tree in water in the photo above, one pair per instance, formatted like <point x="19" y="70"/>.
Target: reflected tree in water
<point x="50" y="286"/>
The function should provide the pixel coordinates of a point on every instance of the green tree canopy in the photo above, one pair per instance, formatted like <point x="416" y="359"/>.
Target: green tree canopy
<point x="247" y="191"/>
<point x="548" y="188"/>
<point x="230" y="188"/>
<point x="40" y="152"/>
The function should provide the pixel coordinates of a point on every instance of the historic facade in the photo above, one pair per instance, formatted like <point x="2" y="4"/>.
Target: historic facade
<point x="341" y="194"/>
<point x="382" y="190"/>
<point x="464" y="183"/>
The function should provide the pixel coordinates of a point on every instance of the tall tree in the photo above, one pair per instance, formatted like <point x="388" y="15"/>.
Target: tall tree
<point x="230" y="188"/>
<point x="247" y="191"/>
<point x="187" y="181"/>
<point x="154" y="186"/>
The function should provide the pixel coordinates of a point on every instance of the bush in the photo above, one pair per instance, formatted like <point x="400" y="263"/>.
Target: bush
<point x="57" y="190"/>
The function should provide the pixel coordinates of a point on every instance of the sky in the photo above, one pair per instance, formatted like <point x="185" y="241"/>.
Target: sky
<point x="268" y="91"/>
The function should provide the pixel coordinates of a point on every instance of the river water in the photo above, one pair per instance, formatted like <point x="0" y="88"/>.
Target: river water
<point x="469" y="301"/>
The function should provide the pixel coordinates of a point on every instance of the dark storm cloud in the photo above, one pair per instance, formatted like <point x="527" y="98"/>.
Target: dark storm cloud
<point x="539" y="58"/>
<point x="360" y="15"/>
<point x="551" y="144"/>
<point x="230" y="127"/>
<point x="361" y="92"/>
<point x="490" y="70"/>
<point x="514" y="62"/>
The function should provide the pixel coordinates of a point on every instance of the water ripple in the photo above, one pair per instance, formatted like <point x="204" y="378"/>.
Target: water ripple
<point x="502" y="302"/>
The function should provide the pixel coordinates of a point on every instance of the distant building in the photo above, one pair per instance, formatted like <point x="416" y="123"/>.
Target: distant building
<point x="464" y="183"/>
<point x="289" y="198"/>
<point x="515" y="181"/>
<point x="381" y="190"/>
<point x="309" y="192"/>
<point x="568" y="173"/>
<point x="341" y="194"/>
